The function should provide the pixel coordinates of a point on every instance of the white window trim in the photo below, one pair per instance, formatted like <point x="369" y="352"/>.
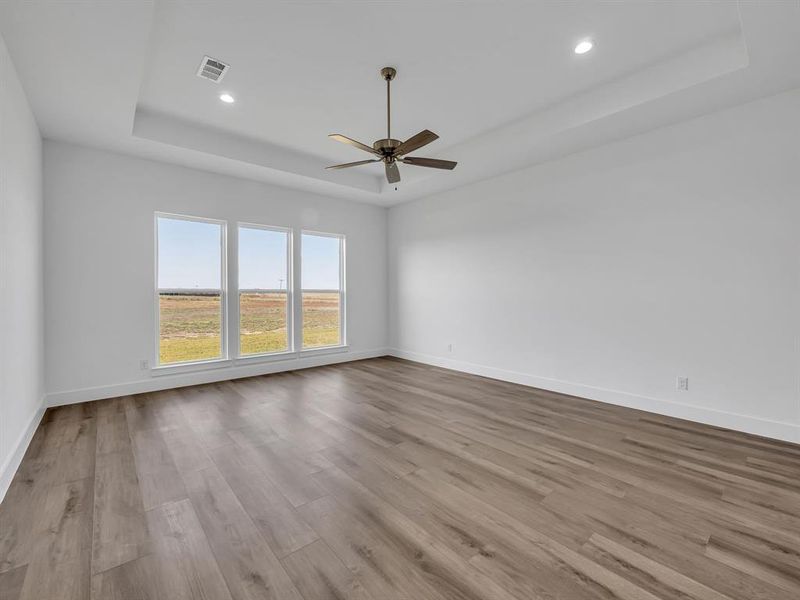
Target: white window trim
<point x="190" y="366"/>
<point x="342" y="345"/>
<point x="223" y="359"/>
<point x="230" y="311"/>
<point x="290" y="350"/>
<point x="322" y="350"/>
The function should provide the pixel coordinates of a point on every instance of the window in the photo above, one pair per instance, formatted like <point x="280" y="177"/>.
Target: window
<point x="322" y="289"/>
<point x="264" y="297"/>
<point x="278" y="313"/>
<point x="191" y="290"/>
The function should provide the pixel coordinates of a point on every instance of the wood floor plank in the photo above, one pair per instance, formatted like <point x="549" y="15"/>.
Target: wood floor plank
<point x="137" y="579"/>
<point x="60" y="563"/>
<point x="11" y="583"/>
<point x="181" y="565"/>
<point x="187" y="452"/>
<point x="320" y="575"/>
<point x="120" y="529"/>
<point x="76" y="412"/>
<point x="382" y="479"/>
<point x="112" y="433"/>
<point x="288" y="421"/>
<point x="159" y="480"/>
<point x="587" y="574"/>
<point x="673" y="534"/>
<point x="150" y="411"/>
<point x="521" y="564"/>
<point x="438" y="521"/>
<point x="76" y="454"/>
<point x="649" y="574"/>
<point x="753" y="563"/>
<point x="22" y="508"/>
<point x="287" y="472"/>
<point x="186" y="567"/>
<point x="773" y="550"/>
<point x="442" y="565"/>
<point x="382" y="571"/>
<point x="249" y="567"/>
<point x="271" y="513"/>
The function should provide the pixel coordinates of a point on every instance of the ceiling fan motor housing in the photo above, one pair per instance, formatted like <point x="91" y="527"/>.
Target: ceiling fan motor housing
<point x="386" y="146"/>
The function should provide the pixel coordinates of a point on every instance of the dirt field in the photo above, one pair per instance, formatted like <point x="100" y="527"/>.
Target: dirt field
<point x="263" y="323"/>
<point x="190" y="325"/>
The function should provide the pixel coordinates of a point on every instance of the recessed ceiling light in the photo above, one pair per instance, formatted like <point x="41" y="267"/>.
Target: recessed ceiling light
<point x="583" y="47"/>
<point x="227" y="98"/>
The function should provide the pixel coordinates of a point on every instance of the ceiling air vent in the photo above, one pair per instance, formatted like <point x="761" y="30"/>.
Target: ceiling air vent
<point x="212" y="69"/>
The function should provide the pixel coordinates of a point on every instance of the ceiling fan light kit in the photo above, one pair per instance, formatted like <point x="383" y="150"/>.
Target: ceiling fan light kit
<point x="391" y="151"/>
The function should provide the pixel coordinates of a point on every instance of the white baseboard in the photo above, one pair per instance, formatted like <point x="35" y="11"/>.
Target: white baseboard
<point x="164" y="382"/>
<point x="11" y="464"/>
<point x="787" y="432"/>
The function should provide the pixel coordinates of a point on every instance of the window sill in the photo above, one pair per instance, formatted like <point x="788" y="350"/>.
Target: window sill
<point x="324" y="350"/>
<point x="271" y="357"/>
<point x="189" y="367"/>
<point x="221" y="363"/>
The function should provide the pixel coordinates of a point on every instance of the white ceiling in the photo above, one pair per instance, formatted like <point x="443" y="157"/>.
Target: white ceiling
<point x="498" y="81"/>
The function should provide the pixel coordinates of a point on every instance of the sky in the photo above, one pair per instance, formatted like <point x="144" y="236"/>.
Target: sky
<point x="262" y="259"/>
<point x="189" y="257"/>
<point x="320" y="266"/>
<point x="188" y="254"/>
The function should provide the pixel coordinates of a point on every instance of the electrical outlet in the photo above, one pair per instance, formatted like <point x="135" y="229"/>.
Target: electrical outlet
<point x="682" y="384"/>
<point x="144" y="364"/>
<point x="449" y="347"/>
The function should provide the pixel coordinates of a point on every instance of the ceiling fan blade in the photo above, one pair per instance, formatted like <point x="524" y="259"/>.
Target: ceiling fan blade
<point x="433" y="163"/>
<point x="346" y="140"/>
<point x="392" y="172"/>
<point x="423" y="138"/>
<point x="354" y="164"/>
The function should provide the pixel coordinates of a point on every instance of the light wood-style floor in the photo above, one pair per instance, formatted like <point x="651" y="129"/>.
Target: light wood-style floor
<point x="387" y="479"/>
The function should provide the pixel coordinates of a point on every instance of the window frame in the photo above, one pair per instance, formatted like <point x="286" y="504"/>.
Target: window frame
<point x="290" y="295"/>
<point x="223" y="249"/>
<point x="342" y="293"/>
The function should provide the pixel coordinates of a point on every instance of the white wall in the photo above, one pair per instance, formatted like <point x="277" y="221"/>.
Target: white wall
<point x="99" y="265"/>
<point x="609" y="273"/>
<point x="21" y="295"/>
<point x="606" y="274"/>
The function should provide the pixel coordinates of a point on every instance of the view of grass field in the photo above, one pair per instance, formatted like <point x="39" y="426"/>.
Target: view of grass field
<point x="190" y="324"/>
<point x="320" y="319"/>
<point x="262" y="322"/>
<point x="190" y="327"/>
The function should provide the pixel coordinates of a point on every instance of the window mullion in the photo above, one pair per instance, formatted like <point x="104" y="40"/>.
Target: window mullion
<point x="297" y="292"/>
<point x="231" y="294"/>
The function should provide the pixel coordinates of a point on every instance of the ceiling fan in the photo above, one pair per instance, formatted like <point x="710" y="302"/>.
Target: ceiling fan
<point x="390" y="151"/>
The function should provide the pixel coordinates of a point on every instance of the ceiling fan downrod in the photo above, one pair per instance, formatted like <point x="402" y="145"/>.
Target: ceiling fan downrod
<point x="388" y="73"/>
